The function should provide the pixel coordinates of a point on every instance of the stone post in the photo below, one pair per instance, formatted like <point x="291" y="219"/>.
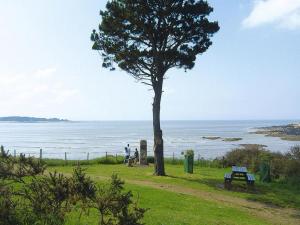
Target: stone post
<point x="143" y="152"/>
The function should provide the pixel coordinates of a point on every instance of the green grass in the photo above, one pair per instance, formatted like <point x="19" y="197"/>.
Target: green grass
<point x="204" y="178"/>
<point x="110" y="159"/>
<point x="167" y="208"/>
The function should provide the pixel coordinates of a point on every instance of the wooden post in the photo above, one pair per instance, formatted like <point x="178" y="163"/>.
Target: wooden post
<point x="15" y="153"/>
<point x="173" y="157"/>
<point x="198" y="159"/>
<point x="41" y="154"/>
<point x="66" y="158"/>
<point x="116" y="157"/>
<point x="88" y="156"/>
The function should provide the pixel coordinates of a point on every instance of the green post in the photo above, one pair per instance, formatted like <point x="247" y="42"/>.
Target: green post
<point x="189" y="161"/>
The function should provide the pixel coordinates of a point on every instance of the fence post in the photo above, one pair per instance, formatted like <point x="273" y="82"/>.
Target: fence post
<point x="198" y="159"/>
<point x="88" y="156"/>
<point x="66" y="158"/>
<point x="41" y="154"/>
<point x="116" y="157"/>
<point x="106" y="156"/>
<point x="15" y="153"/>
<point x="173" y="157"/>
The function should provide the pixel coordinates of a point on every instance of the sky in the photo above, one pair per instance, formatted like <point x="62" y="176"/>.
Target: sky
<point x="251" y="72"/>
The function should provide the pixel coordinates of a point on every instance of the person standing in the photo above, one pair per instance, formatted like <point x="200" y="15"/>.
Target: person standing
<point x="126" y="154"/>
<point x="136" y="156"/>
<point x="128" y="149"/>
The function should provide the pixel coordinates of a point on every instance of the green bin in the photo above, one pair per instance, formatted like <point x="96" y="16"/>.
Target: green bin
<point x="189" y="161"/>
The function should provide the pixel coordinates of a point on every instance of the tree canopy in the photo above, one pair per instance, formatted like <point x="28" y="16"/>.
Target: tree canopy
<point x="147" y="37"/>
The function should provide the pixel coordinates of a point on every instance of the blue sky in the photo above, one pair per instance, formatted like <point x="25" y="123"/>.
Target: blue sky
<point x="47" y="67"/>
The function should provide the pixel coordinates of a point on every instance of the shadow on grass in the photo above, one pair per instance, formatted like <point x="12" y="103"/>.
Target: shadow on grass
<point x="272" y="194"/>
<point x="218" y="184"/>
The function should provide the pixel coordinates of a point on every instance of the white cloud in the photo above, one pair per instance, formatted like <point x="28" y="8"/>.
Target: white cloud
<point x="40" y="92"/>
<point x="283" y="13"/>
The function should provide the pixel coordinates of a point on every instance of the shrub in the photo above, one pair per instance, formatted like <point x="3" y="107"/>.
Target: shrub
<point x="47" y="199"/>
<point x="115" y="207"/>
<point x="150" y="159"/>
<point x="286" y="166"/>
<point x="26" y="198"/>
<point x="250" y="156"/>
<point x="293" y="165"/>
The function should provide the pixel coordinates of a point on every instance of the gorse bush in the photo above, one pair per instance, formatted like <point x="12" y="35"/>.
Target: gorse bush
<point x="27" y="196"/>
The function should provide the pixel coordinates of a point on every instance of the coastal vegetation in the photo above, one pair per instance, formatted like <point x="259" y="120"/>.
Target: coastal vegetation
<point x="31" y="195"/>
<point x="147" y="39"/>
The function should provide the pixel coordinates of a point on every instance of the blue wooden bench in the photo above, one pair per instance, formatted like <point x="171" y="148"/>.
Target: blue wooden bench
<point x="250" y="178"/>
<point x="239" y="174"/>
<point x="227" y="180"/>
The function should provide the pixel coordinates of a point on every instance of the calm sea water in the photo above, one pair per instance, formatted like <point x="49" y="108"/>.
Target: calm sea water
<point x="96" y="138"/>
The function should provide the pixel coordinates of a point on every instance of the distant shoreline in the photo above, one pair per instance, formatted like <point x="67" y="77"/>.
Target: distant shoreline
<point x="24" y="119"/>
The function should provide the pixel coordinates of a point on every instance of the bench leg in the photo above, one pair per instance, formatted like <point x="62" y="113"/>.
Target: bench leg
<point x="227" y="184"/>
<point x="250" y="186"/>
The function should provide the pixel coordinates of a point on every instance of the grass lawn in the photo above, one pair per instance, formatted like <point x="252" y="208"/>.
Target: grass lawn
<point x="197" y="198"/>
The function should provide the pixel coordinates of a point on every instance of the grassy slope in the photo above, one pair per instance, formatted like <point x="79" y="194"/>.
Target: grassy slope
<point x="176" y="208"/>
<point x="204" y="178"/>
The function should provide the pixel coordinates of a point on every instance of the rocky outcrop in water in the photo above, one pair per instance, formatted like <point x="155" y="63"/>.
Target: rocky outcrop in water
<point x="290" y="132"/>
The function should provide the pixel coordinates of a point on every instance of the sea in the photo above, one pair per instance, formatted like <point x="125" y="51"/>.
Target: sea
<point x="79" y="140"/>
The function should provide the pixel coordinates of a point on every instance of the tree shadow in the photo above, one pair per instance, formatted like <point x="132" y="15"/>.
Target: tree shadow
<point x="218" y="184"/>
<point x="271" y="194"/>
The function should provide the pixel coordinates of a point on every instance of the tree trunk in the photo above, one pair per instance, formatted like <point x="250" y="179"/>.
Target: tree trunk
<point x="158" y="147"/>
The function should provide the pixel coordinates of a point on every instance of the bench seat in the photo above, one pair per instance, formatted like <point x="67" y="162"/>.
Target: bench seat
<point x="227" y="176"/>
<point x="250" y="178"/>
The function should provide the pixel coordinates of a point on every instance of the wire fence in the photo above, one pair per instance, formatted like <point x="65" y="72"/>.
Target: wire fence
<point x="107" y="157"/>
<point x="74" y="154"/>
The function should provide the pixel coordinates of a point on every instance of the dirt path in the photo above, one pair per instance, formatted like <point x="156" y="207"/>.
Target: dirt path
<point x="272" y="214"/>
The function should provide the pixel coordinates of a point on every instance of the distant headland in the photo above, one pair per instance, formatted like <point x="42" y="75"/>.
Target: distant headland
<point x="24" y="119"/>
<point x="290" y="132"/>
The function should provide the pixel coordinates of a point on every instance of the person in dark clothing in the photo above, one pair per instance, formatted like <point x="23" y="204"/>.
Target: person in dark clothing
<point x="136" y="155"/>
<point x="127" y="155"/>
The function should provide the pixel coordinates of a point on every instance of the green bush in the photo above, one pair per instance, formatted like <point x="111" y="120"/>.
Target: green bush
<point x="250" y="156"/>
<point x="150" y="159"/>
<point x="27" y="196"/>
<point x="285" y="166"/>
